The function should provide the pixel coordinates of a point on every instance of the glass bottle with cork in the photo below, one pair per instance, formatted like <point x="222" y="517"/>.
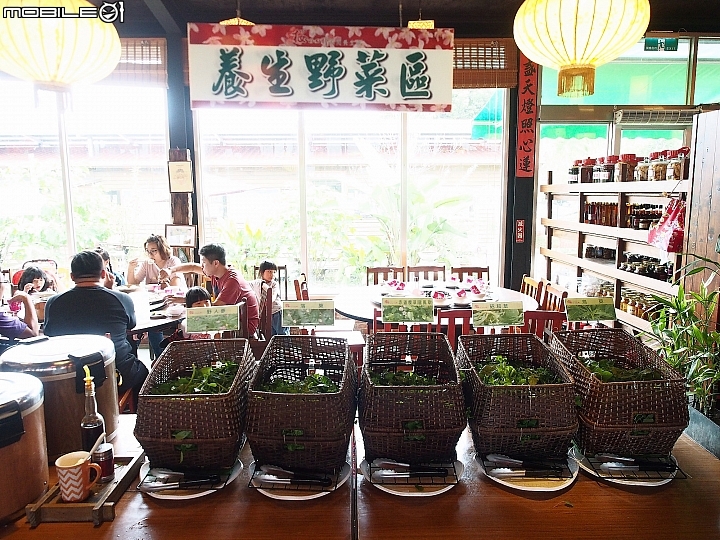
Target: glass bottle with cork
<point x="92" y="424"/>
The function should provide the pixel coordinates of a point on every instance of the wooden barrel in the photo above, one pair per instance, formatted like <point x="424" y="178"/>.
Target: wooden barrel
<point x="23" y="454"/>
<point x="51" y="362"/>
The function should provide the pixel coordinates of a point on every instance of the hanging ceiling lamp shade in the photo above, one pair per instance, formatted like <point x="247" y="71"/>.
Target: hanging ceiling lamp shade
<point x="576" y="36"/>
<point x="57" y="52"/>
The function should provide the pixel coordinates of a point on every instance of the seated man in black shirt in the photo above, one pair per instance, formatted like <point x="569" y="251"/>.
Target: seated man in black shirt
<point x="91" y="308"/>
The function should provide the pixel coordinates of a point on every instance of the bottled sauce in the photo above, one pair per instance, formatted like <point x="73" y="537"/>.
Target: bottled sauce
<point x="92" y="424"/>
<point x="625" y="168"/>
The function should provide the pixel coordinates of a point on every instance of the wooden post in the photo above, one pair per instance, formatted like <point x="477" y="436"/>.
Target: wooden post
<point x="181" y="204"/>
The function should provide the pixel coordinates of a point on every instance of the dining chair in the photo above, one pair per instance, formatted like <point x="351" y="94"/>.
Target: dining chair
<point x="265" y="325"/>
<point x="376" y="274"/>
<point x="481" y="272"/>
<point x="532" y="287"/>
<point x="451" y="319"/>
<point x="542" y="323"/>
<point x="430" y="273"/>
<point x="553" y="298"/>
<point x="282" y="278"/>
<point x="301" y="288"/>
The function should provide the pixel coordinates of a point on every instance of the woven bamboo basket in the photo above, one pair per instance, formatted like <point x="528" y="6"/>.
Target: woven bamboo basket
<point x="302" y="431"/>
<point x="216" y="421"/>
<point x="412" y="424"/>
<point x="648" y="416"/>
<point x="517" y="420"/>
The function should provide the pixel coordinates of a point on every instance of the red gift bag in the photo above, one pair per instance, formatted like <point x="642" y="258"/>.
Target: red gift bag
<point x="669" y="233"/>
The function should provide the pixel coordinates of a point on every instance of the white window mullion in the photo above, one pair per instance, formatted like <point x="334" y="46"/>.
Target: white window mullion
<point x="302" y="177"/>
<point x="403" y="189"/>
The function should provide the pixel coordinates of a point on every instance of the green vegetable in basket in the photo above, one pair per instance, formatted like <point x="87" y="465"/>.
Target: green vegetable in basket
<point x="312" y="384"/>
<point x="606" y="370"/>
<point x="500" y="371"/>
<point x="402" y="378"/>
<point x="213" y="379"/>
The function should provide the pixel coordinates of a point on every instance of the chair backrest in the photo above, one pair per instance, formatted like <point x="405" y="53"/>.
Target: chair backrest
<point x="44" y="264"/>
<point x="541" y="323"/>
<point x="301" y="288"/>
<point x="379" y="326"/>
<point x="532" y="287"/>
<point x="482" y="272"/>
<point x="553" y="298"/>
<point x="431" y="273"/>
<point x="244" y="331"/>
<point x="282" y="278"/>
<point x="451" y="319"/>
<point x="376" y="274"/>
<point x="265" y="325"/>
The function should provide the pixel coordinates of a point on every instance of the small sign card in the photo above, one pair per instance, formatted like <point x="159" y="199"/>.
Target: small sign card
<point x="304" y="313"/>
<point x="601" y="308"/>
<point x="407" y="310"/>
<point x="497" y="314"/>
<point x="213" y="319"/>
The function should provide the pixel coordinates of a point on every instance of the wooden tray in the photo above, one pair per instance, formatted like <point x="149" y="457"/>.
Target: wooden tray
<point x="99" y="507"/>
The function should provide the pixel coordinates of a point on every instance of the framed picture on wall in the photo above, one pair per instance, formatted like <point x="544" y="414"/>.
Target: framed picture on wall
<point x="181" y="235"/>
<point x="180" y="175"/>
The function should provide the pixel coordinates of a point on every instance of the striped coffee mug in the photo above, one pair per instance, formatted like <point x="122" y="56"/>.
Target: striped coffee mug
<point x="73" y="471"/>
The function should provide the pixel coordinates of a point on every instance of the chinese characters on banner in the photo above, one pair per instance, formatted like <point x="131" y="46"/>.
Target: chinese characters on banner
<point x="300" y="66"/>
<point x="527" y="117"/>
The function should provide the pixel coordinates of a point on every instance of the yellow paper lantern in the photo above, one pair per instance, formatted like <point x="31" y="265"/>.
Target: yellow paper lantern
<point x="576" y="36"/>
<point x="53" y="51"/>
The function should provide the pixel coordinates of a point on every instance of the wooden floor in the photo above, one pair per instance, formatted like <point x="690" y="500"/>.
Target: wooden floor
<point x="474" y="509"/>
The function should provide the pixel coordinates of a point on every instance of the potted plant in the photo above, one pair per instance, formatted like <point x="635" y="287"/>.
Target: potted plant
<point x="685" y="326"/>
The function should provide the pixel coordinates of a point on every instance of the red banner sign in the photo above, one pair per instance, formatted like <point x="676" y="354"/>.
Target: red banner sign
<point x="527" y="117"/>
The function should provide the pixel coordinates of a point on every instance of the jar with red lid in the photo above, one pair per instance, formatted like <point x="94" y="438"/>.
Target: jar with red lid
<point x="586" y="171"/>
<point x="608" y="174"/>
<point x="598" y="170"/>
<point x="574" y="172"/>
<point x="658" y="166"/>
<point x="642" y="169"/>
<point x="625" y="168"/>
<point x="678" y="164"/>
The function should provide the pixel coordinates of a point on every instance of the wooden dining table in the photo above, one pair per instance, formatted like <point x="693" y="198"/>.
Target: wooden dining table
<point x="360" y="303"/>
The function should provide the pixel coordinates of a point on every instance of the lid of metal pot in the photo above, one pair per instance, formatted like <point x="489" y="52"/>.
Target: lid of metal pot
<point x="25" y="389"/>
<point x="52" y="356"/>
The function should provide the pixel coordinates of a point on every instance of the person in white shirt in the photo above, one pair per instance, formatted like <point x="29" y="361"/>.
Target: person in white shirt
<point x="260" y="286"/>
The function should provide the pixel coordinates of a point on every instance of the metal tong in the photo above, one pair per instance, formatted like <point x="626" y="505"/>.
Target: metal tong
<point x="505" y="462"/>
<point x="177" y="481"/>
<point x="394" y="469"/>
<point x="278" y="475"/>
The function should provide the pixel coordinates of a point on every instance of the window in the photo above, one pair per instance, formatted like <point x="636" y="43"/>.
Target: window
<point x="253" y="187"/>
<point x="707" y="76"/>
<point x="118" y="174"/>
<point x="638" y="77"/>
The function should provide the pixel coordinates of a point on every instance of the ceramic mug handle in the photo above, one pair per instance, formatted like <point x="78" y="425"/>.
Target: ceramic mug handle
<point x="98" y="474"/>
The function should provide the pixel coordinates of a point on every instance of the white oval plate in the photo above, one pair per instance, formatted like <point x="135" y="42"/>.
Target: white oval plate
<point x="536" y="484"/>
<point x="586" y="466"/>
<point x="411" y="490"/>
<point x="183" y="494"/>
<point x="298" y="495"/>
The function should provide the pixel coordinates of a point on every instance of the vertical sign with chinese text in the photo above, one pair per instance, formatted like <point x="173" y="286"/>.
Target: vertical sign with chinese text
<point x="527" y="117"/>
<point x="321" y="66"/>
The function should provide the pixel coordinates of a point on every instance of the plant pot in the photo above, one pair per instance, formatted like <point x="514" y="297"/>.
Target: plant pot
<point x="704" y="431"/>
